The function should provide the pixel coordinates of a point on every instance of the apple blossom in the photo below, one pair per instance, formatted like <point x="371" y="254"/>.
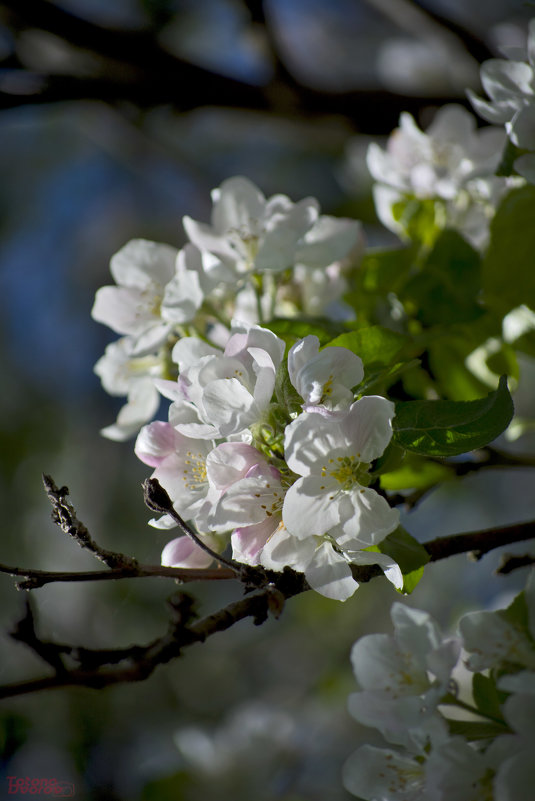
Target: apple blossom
<point x="229" y="391"/>
<point x="452" y="162"/>
<point x="122" y="373"/>
<point x="332" y="457"/>
<point x="510" y="84"/>
<point x="250" y="233"/>
<point x="323" y="377"/>
<point x="380" y="774"/>
<point x="144" y="302"/>
<point x="397" y="695"/>
<point x="493" y="639"/>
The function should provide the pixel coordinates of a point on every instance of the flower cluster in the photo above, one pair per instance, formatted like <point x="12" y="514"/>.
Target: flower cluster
<point x="259" y="258"/>
<point x="405" y="677"/>
<point x="450" y="168"/>
<point x="267" y="450"/>
<point x="281" y="465"/>
<point x="510" y="85"/>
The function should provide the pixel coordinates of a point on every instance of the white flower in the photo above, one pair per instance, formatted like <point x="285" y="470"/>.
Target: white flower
<point x="458" y="770"/>
<point x="249" y="232"/>
<point x="452" y="162"/>
<point x="515" y="776"/>
<point x="397" y="694"/>
<point x="492" y="639"/>
<point x="379" y="774"/>
<point x="332" y="457"/>
<point x="229" y="391"/>
<point x="122" y="373"/>
<point x="146" y="301"/>
<point x="511" y="88"/>
<point x="324" y="377"/>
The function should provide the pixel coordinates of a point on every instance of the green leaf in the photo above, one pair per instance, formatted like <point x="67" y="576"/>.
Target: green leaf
<point x="292" y="329"/>
<point x="376" y="346"/>
<point x="508" y="277"/>
<point x="446" y="289"/>
<point x="486" y="696"/>
<point x="418" y="218"/>
<point x="415" y="472"/>
<point x="410" y="555"/>
<point x="449" y="428"/>
<point x="475" y="730"/>
<point x="408" y="552"/>
<point x="286" y="394"/>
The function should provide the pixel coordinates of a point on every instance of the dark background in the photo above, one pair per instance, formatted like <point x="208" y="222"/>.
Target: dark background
<point x="115" y="120"/>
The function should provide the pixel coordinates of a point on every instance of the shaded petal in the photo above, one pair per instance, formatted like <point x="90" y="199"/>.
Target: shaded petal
<point x="329" y="574"/>
<point x="282" y="549"/>
<point x="365" y="519"/>
<point x="368" y="426"/>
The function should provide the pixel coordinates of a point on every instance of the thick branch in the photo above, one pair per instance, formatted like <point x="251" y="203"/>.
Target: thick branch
<point x="100" y="668"/>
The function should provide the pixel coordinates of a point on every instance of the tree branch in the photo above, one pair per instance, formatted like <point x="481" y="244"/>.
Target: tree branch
<point x="100" y="668"/>
<point x="140" y="71"/>
<point x="64" y="516"/>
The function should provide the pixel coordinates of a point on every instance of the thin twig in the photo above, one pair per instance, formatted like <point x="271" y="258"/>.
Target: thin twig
<point x="38" y="578"/>
<point x="64" y="516"/>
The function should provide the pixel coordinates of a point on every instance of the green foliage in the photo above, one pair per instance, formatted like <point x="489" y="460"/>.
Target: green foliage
<point x="410" y="555"/>
<point x="449" y="428"/>
<point x="377" y="346"/>
<point x="508" y="277"/>
<point x="293" y="328"/>
<point x="415" y="472"/>
<point x="487" y="698"/>
<point x="445" y="290"/>
<point x="473" y="730"/>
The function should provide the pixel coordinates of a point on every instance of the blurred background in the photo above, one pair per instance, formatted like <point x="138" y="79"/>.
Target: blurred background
<point x="116" y="119"/>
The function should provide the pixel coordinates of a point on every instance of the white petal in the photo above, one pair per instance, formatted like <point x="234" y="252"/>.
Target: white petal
<point x="368" y="426"/>
<point x="310" y="507"/>
<point x="140" y="263"/>
<point x="238" y="201"/>
<point x="329" y="574"/>
<point x="329" y="240"/>
<point x="247" y="542"/>
<point x="365" y="519"/>
<point x="378" y="774"/>
<point x="229" y="406"/>
<point x="230" y="462"/>
<point x="282" y="549"/>
<point x="390" y="568"/>
<point x="310" y="441"/>
<point x="278" y="249"/>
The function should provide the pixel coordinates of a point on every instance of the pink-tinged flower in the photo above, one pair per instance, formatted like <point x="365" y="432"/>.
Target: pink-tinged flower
<point x="184" y="552"/>
<point x="228" y="391"/>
